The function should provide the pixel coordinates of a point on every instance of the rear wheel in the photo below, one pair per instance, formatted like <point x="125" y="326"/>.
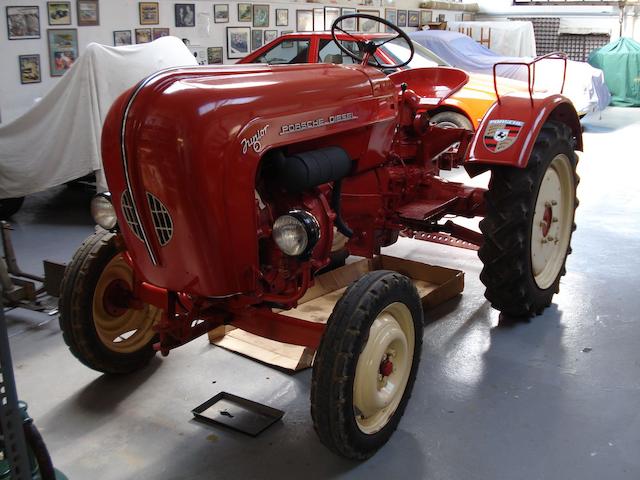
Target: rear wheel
<point x="452" y="120"/>
<point x="528" y="227"/>
<point x="101" y="326"/>
<point x="366" y="364"/>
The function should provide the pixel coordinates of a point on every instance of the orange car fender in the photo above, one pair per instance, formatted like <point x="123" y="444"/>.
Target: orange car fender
<point x="472" y="110"/>
<point x="508" y="131"/>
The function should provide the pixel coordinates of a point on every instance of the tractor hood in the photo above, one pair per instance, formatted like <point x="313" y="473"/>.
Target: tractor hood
<point x="182" y="148"/>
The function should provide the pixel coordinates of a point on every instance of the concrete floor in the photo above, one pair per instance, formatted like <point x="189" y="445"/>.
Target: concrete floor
<point x="493" y="399"/>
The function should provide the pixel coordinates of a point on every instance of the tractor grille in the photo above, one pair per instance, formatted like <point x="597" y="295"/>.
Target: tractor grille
<point x="161" y="219"/>
<point x="130" y="214"/>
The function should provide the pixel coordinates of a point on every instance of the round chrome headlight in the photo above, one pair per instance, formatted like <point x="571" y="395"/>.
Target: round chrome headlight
<point x="103" y="212"/>
<point x="296" y="233"/>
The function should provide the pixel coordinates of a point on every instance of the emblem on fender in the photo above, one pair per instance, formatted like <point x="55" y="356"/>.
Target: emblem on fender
<point x="501" y="134"/>
<point x="254" y="141"/>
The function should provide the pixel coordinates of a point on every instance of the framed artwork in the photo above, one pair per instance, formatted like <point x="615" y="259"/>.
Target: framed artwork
<point x="199" y="53"/>
<point x="185" y="14"/>
<point x="256" y="39"/>
<point x="318" y="19"/>
<point x="143" y="35"/>
<point x="442" y="17"/>
<point x="23" y="23"/>
<point x="413" y="18"/>
<point x="402" y="18"/>
<point x="426" y="16"/>
<point x="63" y="49"/>
<point x="270" y="36"/>
<point x="159" y="33"/>
<point x="286" y="44"/>
<point x="122" y="37"/>
<point x="366" y="25"/>
<point x="261" y="16"/>
<point x="350" y="23"/>
<point x="390" y="15"/>
<point x="238" y="41"/>
<point x="282" y="17"/>
<point x="330" y="16"/>
<point x="59" y="13"/>
<point x="245" y="12"/>
<point x="220" y="14"/>
<point x="149" y="13"/>
<point x="29" y="69"/>
<point x="88" y="13"/>
<point x="304" y="20"/>
<point x="214" y="55"/>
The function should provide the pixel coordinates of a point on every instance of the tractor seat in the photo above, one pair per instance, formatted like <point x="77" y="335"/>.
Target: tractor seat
<point x="332" y="58"/>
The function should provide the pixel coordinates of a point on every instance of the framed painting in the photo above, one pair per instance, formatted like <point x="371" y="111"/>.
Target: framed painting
<point x="149" y="13"/>
<point x="402" y="18"/>
<point x="122" y="37"/>
<point x="282" y="17"/>
<point x="214" y="55"/>
<point x="245" y="12"/>
<point x="330" y="16"/>
<point x="391" y="16"/>
<point x="63" y="49"/>
<point x="318" y="19"/>
<point x="185" y="14"/>
<point x="88" y="13"/>
<point x="256" y="39"/>
<point x="29" y="69"/>
<point x="260" y="16"/>
<point x="426" y="17"/>
<point x="238" y="41"/>
<point x="366" y="25"/>
<point x="23" y="23"/>
<point x="348" y="24"/>
<point x="143" y="35"/>
<point x="304" y="20"/>
<point x="59" y="13"/>
<point x="270" y="36"/>
<point x="220" y="13"/>
<point x="159" y="33"/>
<point x="413" y="18"/>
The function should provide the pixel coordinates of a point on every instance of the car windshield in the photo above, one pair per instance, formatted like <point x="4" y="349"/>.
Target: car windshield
<point x="398" y="51"/>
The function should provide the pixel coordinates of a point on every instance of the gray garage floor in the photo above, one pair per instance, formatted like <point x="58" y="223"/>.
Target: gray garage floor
<point x="554" y="398"/>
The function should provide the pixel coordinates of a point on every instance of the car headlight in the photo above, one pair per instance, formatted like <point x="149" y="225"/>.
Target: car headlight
<point x="296" y="233"/>
<point x="103" y="212"/>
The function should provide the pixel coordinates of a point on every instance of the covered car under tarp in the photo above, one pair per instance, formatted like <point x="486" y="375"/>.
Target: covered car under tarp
<point x="584" y="86"/>
<point x="58" y="140"/>
<point x="620" y="62"/>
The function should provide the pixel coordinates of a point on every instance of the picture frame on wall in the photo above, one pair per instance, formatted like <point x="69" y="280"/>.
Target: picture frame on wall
<point x="304" y="20"/>
<point x="59" y="13"/>
<point x="256" y="39"/>
<point x="330" y="16"/>
<point x="366" y="25"/>
<point x="199" y="53"/>
<point x="238" y="41"/>
<point x="122" y="37"/>
<point x="413" y="18"/>
<point x="23" y="23"/>
<point x="260" y="16"/>
<point x="426" y="17"/>
<point x="402" y="18"/>
<point x="220" y="13"/>
<point x="282" y="17"/>
<point x="318" y="19"/>
<point x="245" y="12"/>
<point x="214" y="55"/>
<point x="159" y="33"/>
<point x="286" y="43"/>
<point x="63" y="49"/>
<point x="143" y="35"/>
<point x="391" y="16"/>
<point x="149" y="13"/>
<point x="29" y="69"/>
<point x="185" y="14"/>
<point x="348" y="24"/>
<point x="88" y="13"/>
<point x="270" y="36"/>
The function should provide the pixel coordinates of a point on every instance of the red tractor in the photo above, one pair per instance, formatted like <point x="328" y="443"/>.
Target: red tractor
<point x="232" y="186"/>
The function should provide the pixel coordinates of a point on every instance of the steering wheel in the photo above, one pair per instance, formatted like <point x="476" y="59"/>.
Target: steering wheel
<point x="367" y="48"/>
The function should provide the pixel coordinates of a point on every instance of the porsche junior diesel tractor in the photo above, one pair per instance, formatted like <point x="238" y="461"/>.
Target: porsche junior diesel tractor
<point x="232" y="186"/>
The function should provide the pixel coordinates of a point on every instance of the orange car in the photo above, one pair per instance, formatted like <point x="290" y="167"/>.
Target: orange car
<point x="464" y="109"/>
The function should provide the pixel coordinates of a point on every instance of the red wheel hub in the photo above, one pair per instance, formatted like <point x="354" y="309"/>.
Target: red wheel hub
<point x="386" y="367"/>
<point x="546" y="220"/>
<point x="117" y="298"/>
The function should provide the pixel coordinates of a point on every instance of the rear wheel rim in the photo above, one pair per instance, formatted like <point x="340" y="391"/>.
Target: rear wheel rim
<point x="383" y="368"/>
<point x="552" y="221"/>
<point x="121" y="330"/>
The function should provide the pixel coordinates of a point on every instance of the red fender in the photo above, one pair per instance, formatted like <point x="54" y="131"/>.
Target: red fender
<point x="509" y="129"/>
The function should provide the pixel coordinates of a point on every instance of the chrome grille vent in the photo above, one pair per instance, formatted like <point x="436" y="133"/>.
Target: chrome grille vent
<point x="130" y="214"/>
<point x="161" y="219"/>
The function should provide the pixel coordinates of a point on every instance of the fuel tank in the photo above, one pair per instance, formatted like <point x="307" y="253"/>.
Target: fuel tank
<point x="181" y="152"/>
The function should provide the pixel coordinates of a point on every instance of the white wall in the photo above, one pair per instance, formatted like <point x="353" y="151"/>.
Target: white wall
<point x="15" y="98"/>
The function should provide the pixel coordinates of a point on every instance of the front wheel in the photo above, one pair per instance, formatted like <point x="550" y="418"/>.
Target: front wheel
<point x="366" y="364"/>
<point x="528" y="225"/>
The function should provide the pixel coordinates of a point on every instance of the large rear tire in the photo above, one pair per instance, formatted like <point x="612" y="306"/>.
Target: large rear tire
<point x="448" y="119"/>
<point x="98" y="325"/>
<point x="528" y="225"/>
<point x="366" y="364"/>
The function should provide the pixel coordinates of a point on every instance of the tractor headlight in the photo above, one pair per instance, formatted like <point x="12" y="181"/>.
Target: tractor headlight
<point x="296" y="233"/>
<point x="103" y="212"/>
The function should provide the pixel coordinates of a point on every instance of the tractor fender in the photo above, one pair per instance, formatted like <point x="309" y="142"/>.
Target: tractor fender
<point x="508" y="131"/>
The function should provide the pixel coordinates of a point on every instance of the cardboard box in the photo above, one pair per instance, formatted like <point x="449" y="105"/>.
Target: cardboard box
<point x="435" y="285"/>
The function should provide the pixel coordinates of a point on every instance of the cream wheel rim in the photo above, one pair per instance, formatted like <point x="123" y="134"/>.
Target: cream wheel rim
<point x="130" y="330"/>
<point x="383" y="368"/>
<point x="552" y="221"/>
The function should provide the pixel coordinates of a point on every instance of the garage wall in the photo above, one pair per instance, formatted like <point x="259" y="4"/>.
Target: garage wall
<point x="15" y="98"/>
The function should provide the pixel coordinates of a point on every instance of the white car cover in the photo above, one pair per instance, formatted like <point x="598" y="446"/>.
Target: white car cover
<point x="58" y="140"/>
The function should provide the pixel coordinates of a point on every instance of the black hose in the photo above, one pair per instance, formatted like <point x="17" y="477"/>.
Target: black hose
<point x="335" y="204"/>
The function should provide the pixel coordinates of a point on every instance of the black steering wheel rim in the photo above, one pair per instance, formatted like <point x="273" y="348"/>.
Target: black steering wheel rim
<point x="369" y="43"/>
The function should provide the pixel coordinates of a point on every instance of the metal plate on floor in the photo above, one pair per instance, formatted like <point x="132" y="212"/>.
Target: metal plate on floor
<point x="238" y="413"/>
